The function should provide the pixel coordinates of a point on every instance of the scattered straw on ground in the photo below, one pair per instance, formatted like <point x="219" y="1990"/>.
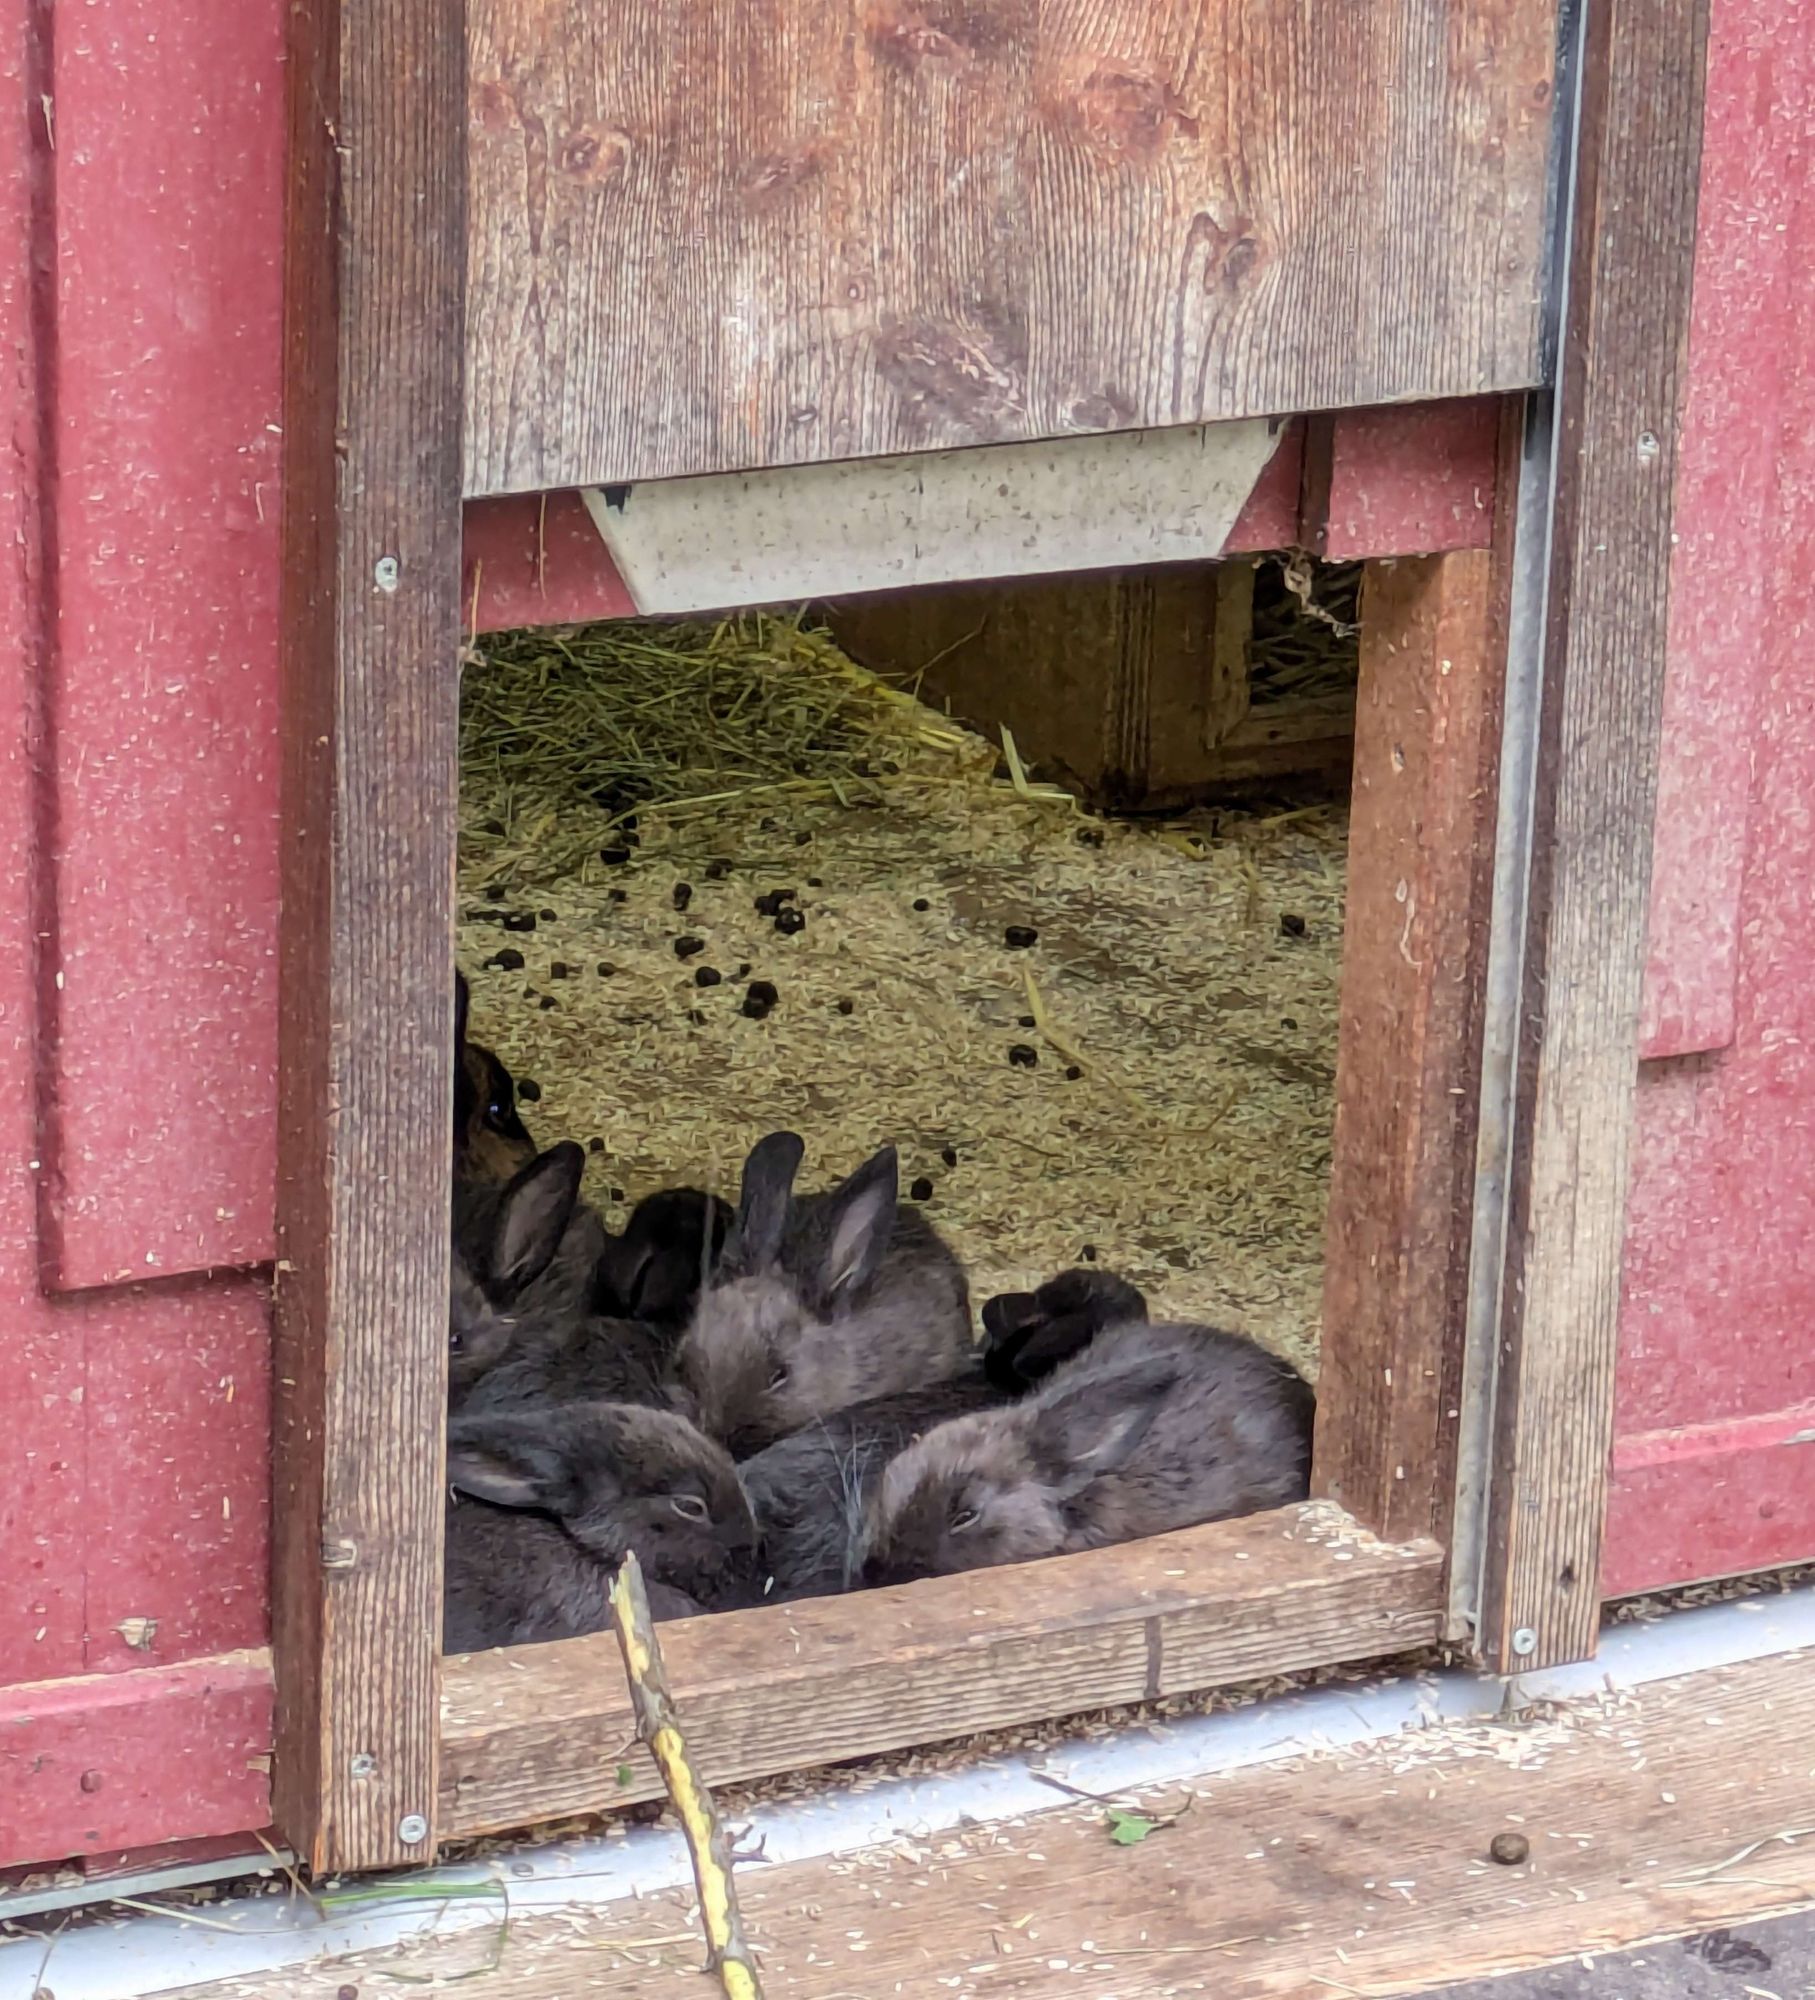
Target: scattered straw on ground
<point x="1179" y="1004"/>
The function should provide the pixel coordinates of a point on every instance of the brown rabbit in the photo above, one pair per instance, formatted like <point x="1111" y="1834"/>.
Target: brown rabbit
<point x="1150" y="1428"/>
<point x="821" y="1301"/>
<point x="490" y="1140"/>
<point x="544" y="1505"/>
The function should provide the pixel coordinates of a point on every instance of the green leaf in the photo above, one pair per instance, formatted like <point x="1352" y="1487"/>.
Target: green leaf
<point x="1129" y="1829"/>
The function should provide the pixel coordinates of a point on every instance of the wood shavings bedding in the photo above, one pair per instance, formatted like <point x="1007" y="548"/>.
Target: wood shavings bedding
<point x="1158" y="1098"/>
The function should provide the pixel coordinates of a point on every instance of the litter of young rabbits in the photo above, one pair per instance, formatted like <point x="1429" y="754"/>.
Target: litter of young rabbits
<point x="789" y="897"/>
<point x="827" y="1346"/>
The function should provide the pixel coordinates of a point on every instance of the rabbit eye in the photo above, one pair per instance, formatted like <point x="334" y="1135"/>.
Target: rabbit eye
<point x="779" y="1379"/>
<point x="965" y="1517"/>
<point x="689" y="1506"/>
<point x="456" y="1340"/>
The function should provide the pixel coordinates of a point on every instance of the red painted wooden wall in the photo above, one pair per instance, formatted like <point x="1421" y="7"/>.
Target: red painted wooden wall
<point x="138" y="359"/>
<point x="140" y="193"/>
<point x="1714" y="1469"/>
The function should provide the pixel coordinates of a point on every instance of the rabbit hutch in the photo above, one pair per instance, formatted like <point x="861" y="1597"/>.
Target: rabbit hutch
<point x="1032" y="346"/>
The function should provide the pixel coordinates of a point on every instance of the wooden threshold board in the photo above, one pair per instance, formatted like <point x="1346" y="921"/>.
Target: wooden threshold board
<point x="534" y="1733"/>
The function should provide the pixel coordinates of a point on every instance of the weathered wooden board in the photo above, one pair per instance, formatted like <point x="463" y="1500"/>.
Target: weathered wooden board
<point x="539" y="1731"/>
<point x="708" y="235"/>
<point x="1119" y="687"/>
<point x="365" y="1024"/>
<point x="1632" y="255"/>
<point x="1066" y="504"/>
<point x="1414" y="969"/>
<point x="1665" y="1809"/>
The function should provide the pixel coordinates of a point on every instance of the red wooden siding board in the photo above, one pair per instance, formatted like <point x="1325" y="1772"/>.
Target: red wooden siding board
<point x="537" y="561"/>
<point x="129" y="1486"/>
<point x="91" y="1766"/>
<point x="163" y="688"/>
<point x="1720" y="1279"/>
<point x="1743" y="1506"/>
<point x="43" y="1530"/>
<point x="1726" y="491"/>
<point x="179" y="1471"/>
<point x="1270" y="518"/>
<point x="1417" y="480"/>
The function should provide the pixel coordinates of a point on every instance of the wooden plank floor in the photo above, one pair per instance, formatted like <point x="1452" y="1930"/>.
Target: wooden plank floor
<point x="1687" y="1805"/>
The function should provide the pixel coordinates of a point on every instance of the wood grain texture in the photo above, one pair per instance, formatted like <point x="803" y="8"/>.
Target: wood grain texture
<point x="1364" y="1874"/>
<point x="1414" y="967"/>
<point x="372" y="574"/>
<point x="716" y="234"/>
<point x="1119" y="686"/>
<point x="1608" y="620"/>
<point x="537" y="1732"/>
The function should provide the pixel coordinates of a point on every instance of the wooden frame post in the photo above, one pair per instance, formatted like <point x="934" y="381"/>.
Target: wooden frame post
<point x="375" y="280"/>
<point x="1414" y="973"/>
<point x="1606" y="616"/>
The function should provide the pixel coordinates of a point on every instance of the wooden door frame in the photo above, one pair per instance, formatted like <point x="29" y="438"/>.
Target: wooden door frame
<point x="381" y="1748"/>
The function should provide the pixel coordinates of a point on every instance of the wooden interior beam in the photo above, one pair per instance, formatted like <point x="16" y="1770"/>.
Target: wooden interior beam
<point x="372" y="412"/>
<point x="537" y="1732"/>
<point x="1608" y="600"/>
<point x="1414" y="972"/>
<point x="1120" y="684"/>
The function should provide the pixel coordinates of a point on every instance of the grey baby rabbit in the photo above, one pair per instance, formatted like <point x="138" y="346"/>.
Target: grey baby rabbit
<point x="524" y="1258"/>
<point x="669" y="1249"/>
<point x="1026" y="1335"/>
<point x="1150" y="1428"/>
<point x="821" y="1301"/>
<point x="810" y="1492"/>
<point x="544" y="1505"/>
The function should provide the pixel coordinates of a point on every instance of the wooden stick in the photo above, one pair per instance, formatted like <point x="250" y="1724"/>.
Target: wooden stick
<point x="728" y="1951"/>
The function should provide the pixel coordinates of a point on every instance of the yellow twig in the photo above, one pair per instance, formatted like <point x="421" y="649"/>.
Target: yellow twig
<point x="728" y="1951"/>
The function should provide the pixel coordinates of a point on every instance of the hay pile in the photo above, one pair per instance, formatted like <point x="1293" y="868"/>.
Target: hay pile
<point x="1178" y="1004"/>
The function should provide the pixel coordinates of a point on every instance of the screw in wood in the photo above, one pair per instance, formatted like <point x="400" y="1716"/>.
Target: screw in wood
<point x="412" y="1829"/>
<point x="385" y="573"/>
<point x="363" y="1764"/>
<point x="1525" y="1642"/>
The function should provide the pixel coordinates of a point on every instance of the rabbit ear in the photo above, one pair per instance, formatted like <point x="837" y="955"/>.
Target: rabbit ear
<point x="511" y="1464"/>
<point x="765" y="1197"/>
<point x="859" y="1220"/>
<point x="533" y="1215"/>
<point x="1087" y="1431"/>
